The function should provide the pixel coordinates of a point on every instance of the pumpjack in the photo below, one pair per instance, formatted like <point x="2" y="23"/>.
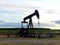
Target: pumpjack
<point x="25" y="32"/>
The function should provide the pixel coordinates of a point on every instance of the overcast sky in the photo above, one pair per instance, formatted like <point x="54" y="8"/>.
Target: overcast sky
<point x="15" y="10"/>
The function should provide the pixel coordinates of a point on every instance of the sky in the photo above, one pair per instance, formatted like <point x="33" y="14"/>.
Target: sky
<point x="15" y="10"/>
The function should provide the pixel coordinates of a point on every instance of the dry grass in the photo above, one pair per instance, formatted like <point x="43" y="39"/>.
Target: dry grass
<point x="25" y="43"/>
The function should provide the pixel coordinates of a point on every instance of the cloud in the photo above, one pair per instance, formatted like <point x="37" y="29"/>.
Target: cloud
<point x="50" y="11"/>
<point x="16" y="10"/>
<point x="18" y="25"/>
<point x="11" y="18"/>
<point x="16" y="6"/>
<point x="57" y="22"/>
<point x="43" y="25"/>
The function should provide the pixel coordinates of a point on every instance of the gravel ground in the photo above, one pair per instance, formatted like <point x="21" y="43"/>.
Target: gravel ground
<point x="28" y="41"/>
<point x="12" y="40"/>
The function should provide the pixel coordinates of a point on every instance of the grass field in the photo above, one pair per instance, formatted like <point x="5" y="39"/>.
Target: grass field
<point x="4" y="40"/>
<point x="10" y="31"/>
<point x="36" y="30"/>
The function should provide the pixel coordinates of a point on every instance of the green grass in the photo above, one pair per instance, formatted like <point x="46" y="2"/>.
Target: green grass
<point x="9" y="30"/>
<point x="36" y="30"/>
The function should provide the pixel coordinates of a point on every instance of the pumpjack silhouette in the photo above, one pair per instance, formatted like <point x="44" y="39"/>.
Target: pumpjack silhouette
<point x="25" y="32"/>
